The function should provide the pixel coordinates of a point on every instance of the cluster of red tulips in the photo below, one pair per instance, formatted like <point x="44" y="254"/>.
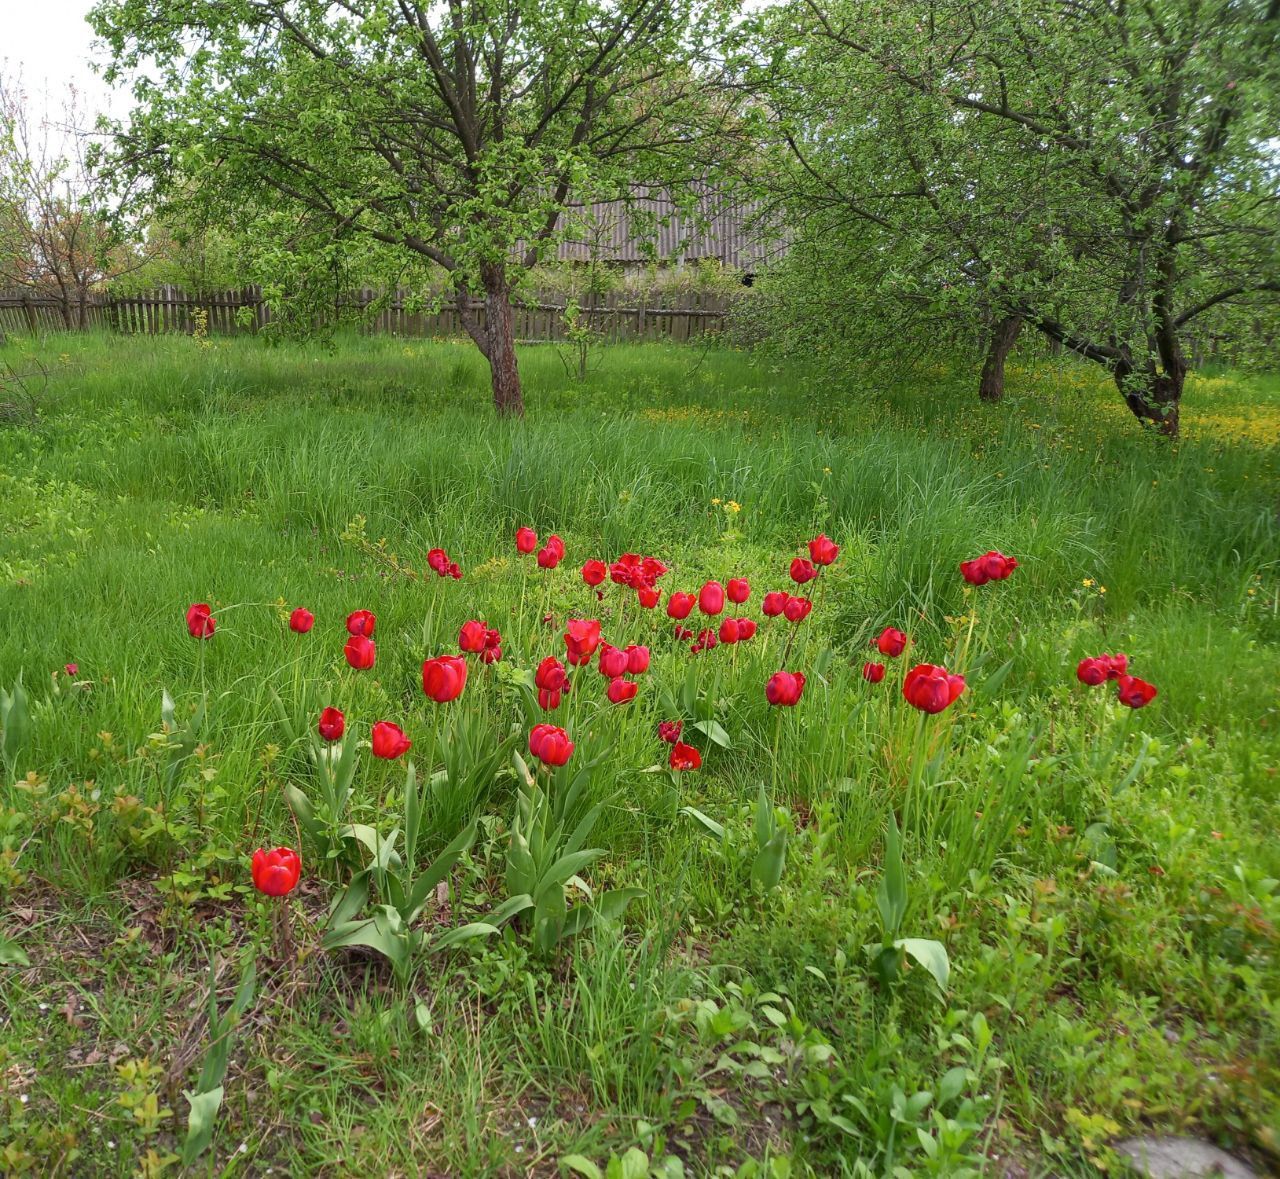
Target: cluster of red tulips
<point x="930" y="688"/>
<point x="438" y="562"/>
<point x="1130" y="691"/>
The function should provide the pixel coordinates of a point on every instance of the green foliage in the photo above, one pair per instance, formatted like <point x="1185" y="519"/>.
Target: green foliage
<point x="287" y="127"/>
<point x="546" y="855"/>
<point x="15" y="724"/>
<point x="206" y="1098"/>
<point x="765" y="857"/>
<point x="892" y="900"/>
<point x="402" y="891"/>
<point x="1091" y="872"/>
<point x="947" y="166"/>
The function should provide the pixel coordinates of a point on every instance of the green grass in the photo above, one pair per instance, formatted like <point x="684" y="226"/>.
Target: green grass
<point x="1104" y="881"/>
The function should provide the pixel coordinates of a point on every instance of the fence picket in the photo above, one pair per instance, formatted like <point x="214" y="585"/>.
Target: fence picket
<point x="615" y="316"/>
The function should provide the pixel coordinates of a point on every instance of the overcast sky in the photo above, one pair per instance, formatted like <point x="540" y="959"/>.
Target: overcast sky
<point x="50" y="42"/>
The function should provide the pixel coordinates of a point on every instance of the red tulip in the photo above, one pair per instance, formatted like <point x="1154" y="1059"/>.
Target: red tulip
<point x="551" y="680"/>
<point x="679" y="606"/>
<point x="775" y="602"/>
<point x="200" y="621"/>
<point x="550" y="744"/>
<point x="551" y="675"/>
<point x="491" y="654"/>
<point x="647" y="596"/>
<point x="628" y="569"/>
<point x="301" y="620"/>
<point x="931" y="688"/>
<point x="990" y="566"/>
<point x="669" y="731"/>
<point x="997" y="566"/>
<point x="1133" y="692"/>
<point x="651" y="569"/>
<point x="784" y="688"/>
<point x="711" y="598"/>
<point x="360" y="652"/>
<point x="802" y="571"/>
<point x="581" y="638"/>
<point x="549" y="557"/>
<point x="454" y="571"/>
<point x="613" y="661"/>
<point x="685" y="757"/>
<point x="444" y="677"/>
<point x="620" y="690"/>
<point x="823" y="550"/>
<point x="389" y="740"/>
<point x="1093" y="670"/>
<point x="1117" y="665"/>
<point x="526" y="540"/>
<point x="332" y="724"/>
<point x="637" y="660"/>
<point x="438" y="560"/>
<point x="361" y="622"/>
<point x="593" y="572"/>
<point x="72" y="669"/>
<point x="873" y="673"/>
<point x="276" y="872"/>
<point x="706" y="641"/>
<point x="746" y="629"/>
<point x="472" y="636"/>
<point x="891" y="642"/>
<point x="738" y="590"/>
<point x="797" y="609"/>
<point x="681" y="633"/>
<point x="729" y="630"/>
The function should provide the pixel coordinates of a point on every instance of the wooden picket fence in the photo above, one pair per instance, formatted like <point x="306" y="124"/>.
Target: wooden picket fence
<point x="617" y="316"/>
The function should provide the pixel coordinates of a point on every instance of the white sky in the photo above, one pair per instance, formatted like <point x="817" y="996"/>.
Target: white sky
<point x="50" y="42"/>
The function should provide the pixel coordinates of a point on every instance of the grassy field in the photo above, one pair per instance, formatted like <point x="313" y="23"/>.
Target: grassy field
<point x="1103" y="880"/>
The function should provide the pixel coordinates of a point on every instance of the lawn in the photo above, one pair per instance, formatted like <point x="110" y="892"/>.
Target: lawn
<point x="1103" y="880"/>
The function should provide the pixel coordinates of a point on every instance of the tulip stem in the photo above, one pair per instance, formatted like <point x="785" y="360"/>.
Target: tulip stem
<point x="916" y="773"/>
<point x="777" y="735"/>
<point x="283" y="930"/>
<point x="786" y="650"/>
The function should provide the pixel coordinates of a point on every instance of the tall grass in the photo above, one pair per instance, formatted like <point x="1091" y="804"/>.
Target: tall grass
<point x="259" y="478"/>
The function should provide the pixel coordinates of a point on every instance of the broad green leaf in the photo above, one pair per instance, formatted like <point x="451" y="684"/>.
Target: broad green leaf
<point x="996" y="679"/>
<point x="200" y="1122"/>
<point x="302" y="810"/>
<point x="891" y="896"/>
<point x="555" y="877"/>
<point x="440" y="868"/>
<point x="511" y="907"/>
<point x="712" y="828"/>
<point x="350" y="900"/>
<point x="11" y="954"/>
<point x="376" y="934"/>
<point x="463" y="933"/>
<point x="714" y="732"/>
<point x="930" y="954"/>
<point x="412" y="814"/>
<point x="768" y="866"/>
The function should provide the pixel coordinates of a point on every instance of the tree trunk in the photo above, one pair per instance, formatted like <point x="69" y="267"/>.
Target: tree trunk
<point x="1003" y="336"/>
<point x="1154" y="397"/>
<point x="500" y="331"/>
